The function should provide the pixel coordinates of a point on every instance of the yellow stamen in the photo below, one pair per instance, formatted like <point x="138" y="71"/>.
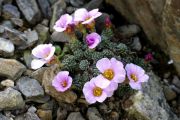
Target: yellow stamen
<point x="64" y="83"/>
<point x="97" y="91"/>
<point x="108" y="74"/>
<point x="134" y="77"/>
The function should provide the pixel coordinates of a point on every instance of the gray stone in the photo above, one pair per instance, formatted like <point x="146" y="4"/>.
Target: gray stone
<point x="176" y="89"/>
<point x="93" y="4"/>
<point x="60" y="37"/>
<point x="30" y="10"/>
<point x="58" y="10"/>
<point x="38" y="74"/>
<point x="169" y="93"/>
<point x="11" y="99"/>
<point x="136" y="44"/>
<point x="49" y="74"/>
<point x="93" y="114"/>
<point x="27" y="58"/>
<point x="176" y="81"/>
<point x="6" y="47"/>
<point x="2" y="117"/>
<point x="75" y="116"/>
<point x="149" y="104"/>
<point x="61" y="114"/>
<point x="32" y="109"/>
<point x="17" y="22"/>
<point x="17" y="37"/>
<point x="31" y="36"/>
<point x="30" y="88"/>
<point x="43" y="33"/>
<point x="11" y="68"/>
<point x="45" y="8"/>
<point x="77" y="3"/>
<point x="70" y="9"/>
<point x="128" y="30"/>
<point x="27" y="116"/>
<point x="10" y="11"/>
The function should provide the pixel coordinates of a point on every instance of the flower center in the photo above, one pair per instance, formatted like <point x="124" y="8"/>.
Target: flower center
<point x="97" y="91"/>
<point x="90" y="41"/>
<point x="108" y="74"/>
<point x="64" y="83"/>
<point x="134" y="77"/>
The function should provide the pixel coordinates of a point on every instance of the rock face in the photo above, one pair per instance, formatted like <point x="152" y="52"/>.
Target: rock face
<point x="149" y="104"/>
<point x="30" y="10"/>
<point x="11" y="68"/>
<point x="11" y="99"/>
<point x="159" y="20"/>
<point x="67" y="96"/>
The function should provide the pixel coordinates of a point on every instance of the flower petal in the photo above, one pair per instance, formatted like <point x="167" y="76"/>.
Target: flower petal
<point x="37" y="63"/>
<point x="136" y="86"/>
<point x="94" y="13"/>
<point x="80" y="15"/>
<point x="101" y="82"/>
<point x="102" y="97"/>
<point x="103" y="64"/>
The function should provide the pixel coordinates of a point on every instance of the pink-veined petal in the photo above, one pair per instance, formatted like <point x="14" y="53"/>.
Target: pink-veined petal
<point x="103" y="64"/>
<point x="37" y="63"/>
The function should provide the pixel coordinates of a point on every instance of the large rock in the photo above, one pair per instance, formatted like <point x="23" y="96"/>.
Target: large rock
<point x="11" y="99"/>
<point x="67" y="96"/>
<point x="6" y="47"/>
<point x="75" y="116"/>
<point x="45" y="8"/>
<point x="159" y="20"/>
<point x="30" y="10"/>
<point x="11" y="68"/>
<point x="149" y="104"/>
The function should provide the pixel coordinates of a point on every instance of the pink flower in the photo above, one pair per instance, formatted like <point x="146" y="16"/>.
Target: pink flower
<point x="94" y="93"/>
<point x="82" y="15"/>
<point x="62" y="24"/>
<point x="62" y="81"/>
<point x="93" y="40"/>
<point x="136" y="76"/>
<point x="149" y="57"/>
<point x="43" y="54"/>
<point x="112" y="71"/>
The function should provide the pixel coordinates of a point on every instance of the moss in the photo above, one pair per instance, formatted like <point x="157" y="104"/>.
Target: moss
<point x="84" y="65"/>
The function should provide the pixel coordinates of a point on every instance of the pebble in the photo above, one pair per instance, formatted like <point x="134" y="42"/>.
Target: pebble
<point x="77" y="3"/>
<point x="17" y="21"/>
<point x="27" y="116"/>
<point x="136" y="44"/>
<point x="60" y="37"/>
<point x="93" y="114"/>
<point x="45" y="8"/>
<point x="10" y="11"/>
<point x="31" y="36"/>
<point x="44" y="114"/>
<point x="169" y="93"/>
<point x="176" y="81"/>
<point x="11" y="68"/>
<point x="7" y="83"/>
<point x="176" y="89"/>
<point x="11" y="99"/>
<point x="30" y="10"/>
<point x="2" y="117"/>
<point x="75" y="116"/>
<point x="6" y="47"/>
<point x="32" y="109"/>
<point x="27" y="58"/>
<point x="43" y="33"/>
<point x="61" y="114"/>
<point x="30" y="88"/>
